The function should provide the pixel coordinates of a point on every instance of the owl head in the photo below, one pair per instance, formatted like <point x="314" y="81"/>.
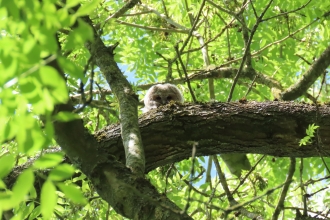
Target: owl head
<point x="161" y="94"/>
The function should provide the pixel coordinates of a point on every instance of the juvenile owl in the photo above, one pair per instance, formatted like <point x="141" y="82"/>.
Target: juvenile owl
<point x="161" y="94"/>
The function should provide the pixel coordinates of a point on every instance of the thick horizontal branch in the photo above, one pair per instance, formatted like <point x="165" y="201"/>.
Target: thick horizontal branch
<point x="271" y="128"/>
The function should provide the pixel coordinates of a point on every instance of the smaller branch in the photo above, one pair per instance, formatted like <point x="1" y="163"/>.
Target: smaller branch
<point x="164" y="7"/>
<point x="193" y="27"/>
<point x="238" y="206"/>
<point x="130" y="4"/>
<point x="167" y="175"/>
<point x="309" y="211"/>
<point x="247" y="49"/>
<point x="227" y="72"/>
<point x="223" y="181"/>
<point x="324" y="188"/>
<point x="167" y="19"/>
<point x="235" y="15"/>
<point x="221" y="8"/>
<point x="285" y="13"/>
<point x="90" y="99"/>
<point x="190" y="184"/>
<point x="301" y="168"/>
<point x="322" y="83"/>
<point x="232" y="201"/>
<point x="176" y="47"/>
<point x="248" y="174"/>
<point x="208" y="172"/>
<point x="153" y="28"/>
<point x="192" y="174"/>
<point x="136" y="14"/>
<point x="280" y="204"/>
<point x="249" y="90"/>
<point x="254" y="10"/>
<point x="309" y="77"/>
<point x="301" y="57"/>
<point x="311" y="181"/>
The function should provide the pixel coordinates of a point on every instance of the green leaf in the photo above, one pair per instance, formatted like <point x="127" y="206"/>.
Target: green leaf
<point x="49" y="76"/>
<point x="185" y="176"/>
<point x="2" y="185"/>
<point x="87" y="8"/>
<point x="29" y="137"/>
<point x="54" y="83"/>
<point x="66" y="116"/>
<point x="61" y="172"/>
<point x="35" y="213"/>
<point x="7" y="162"/>
<point x="79" y="36"/>
<point x="22" y="186"/>
<point x="6" y="202"/>
<point x="48" y="199"/>
<point x="71" y="68"/>
<point x="73" y="192"/>
<point x="71" y="3"/>
<point x="27" y="210"/>
<point x="48" y="160"/>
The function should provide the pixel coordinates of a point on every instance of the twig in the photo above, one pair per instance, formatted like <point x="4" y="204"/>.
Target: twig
<point x="193" y="27"/>
<point x="130" y="4"/>
<point x="167" y="175"/>
<point x="153" y="28"/>
<point x="280" y="204"/>
<point x="309" y="77"/>
<point x="238" y="206"/>
<point x="192" y="173"/>
<point x="247" y="49"/>
<point x="176" y="47"/>
<point x="248" y="174"/>
<point x="91" y="82"/>
<point x="249" y="90"/>
<point x="285" y="13"/>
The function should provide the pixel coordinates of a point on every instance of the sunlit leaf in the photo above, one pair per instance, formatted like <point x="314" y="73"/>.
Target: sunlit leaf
<point x="48" y="160"/>
<point x="87" y="8"/>
<point x="73" y="193"/>
<point x="61" y="172"/>
<point x="22" y="186"/>
<point x="66" y="116"/>
<point x="48" y="199"/>
<point x="7" y="162"/>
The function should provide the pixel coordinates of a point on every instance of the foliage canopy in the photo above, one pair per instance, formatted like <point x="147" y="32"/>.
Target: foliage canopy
<point x="52" y="54"/>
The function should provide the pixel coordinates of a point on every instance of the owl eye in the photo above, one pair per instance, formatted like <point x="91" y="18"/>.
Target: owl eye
<point x="169" y="98"/>
<point x="158" y="98"/>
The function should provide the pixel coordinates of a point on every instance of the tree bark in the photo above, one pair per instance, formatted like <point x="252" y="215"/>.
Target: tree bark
<point x="129" y="194"/>
<point x="272" y="128"/>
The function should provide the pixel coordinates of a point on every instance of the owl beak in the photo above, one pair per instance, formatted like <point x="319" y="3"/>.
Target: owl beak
<point x="164" y="102"/>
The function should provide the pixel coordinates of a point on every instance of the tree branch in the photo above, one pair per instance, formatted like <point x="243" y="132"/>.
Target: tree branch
<point x="272" y="128"/>
<point x="309" y="77"/>
<point x="128" y="102"/>
<point x="280" y="204"/>
<point x="226" y="72"/>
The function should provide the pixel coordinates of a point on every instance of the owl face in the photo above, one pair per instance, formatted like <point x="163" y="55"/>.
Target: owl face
<point x="162" y="94"/>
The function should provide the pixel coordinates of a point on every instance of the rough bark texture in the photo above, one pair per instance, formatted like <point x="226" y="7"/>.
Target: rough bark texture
<point x="130" y="195"/>
<point x="128" y="102"/>
<point x="272" y="128"/>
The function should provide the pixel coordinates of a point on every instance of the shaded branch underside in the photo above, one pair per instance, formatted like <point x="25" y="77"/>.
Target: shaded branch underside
<point x="272" y="128"/>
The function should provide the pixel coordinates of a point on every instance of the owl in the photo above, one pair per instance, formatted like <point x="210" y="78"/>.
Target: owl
<point x="161" y="94"/>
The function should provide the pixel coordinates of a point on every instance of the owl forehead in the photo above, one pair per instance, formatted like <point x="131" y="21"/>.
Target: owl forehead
<point x="162" y="89"/>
